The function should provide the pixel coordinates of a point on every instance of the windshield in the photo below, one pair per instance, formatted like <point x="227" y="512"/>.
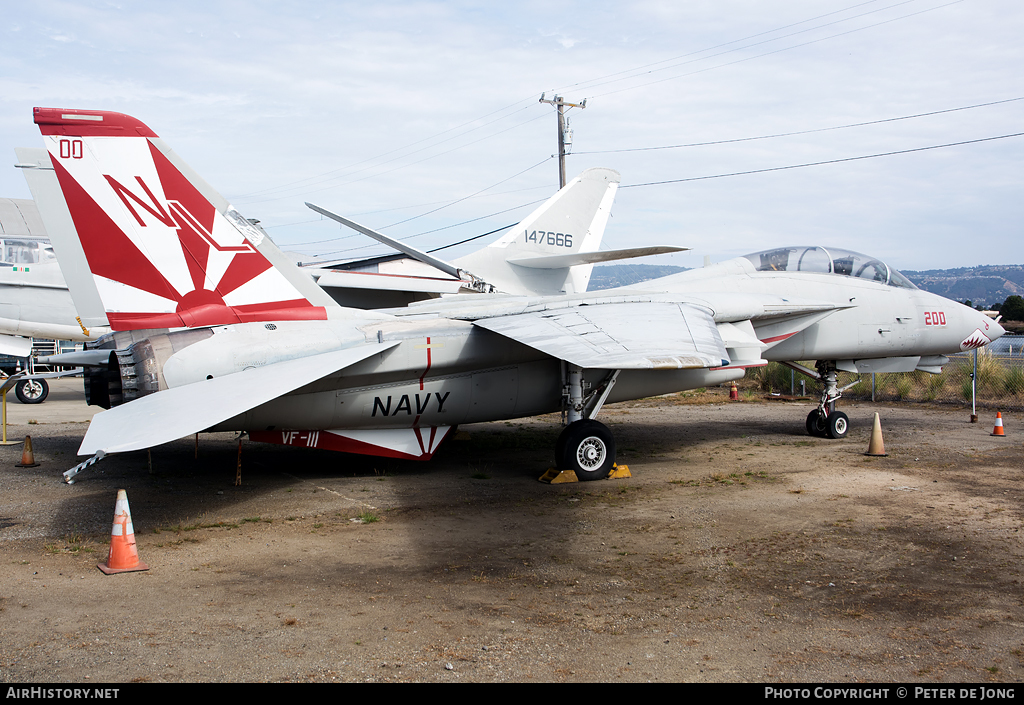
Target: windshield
<point x="828" y="261"/>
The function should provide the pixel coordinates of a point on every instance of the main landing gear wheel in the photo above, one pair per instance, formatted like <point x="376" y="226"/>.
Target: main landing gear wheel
<point x="32" y="391"/>
<point x="587" y="448"/>
<point x="816" y="424"/>
<point x="837" y="424"/>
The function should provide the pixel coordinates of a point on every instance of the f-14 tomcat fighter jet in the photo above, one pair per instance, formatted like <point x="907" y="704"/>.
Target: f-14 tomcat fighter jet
<point x="265" y="351"/>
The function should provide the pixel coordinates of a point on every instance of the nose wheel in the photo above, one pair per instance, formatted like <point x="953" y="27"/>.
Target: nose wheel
<point x="834" y="425"/>
<point x="825" y="421"/>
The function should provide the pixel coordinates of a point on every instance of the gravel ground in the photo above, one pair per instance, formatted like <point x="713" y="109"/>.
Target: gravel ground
<point x="740" y="550"/>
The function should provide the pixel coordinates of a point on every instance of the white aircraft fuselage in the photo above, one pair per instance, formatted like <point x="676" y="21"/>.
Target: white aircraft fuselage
<point x="36" y="304"/>
<point x="874" y="320"/>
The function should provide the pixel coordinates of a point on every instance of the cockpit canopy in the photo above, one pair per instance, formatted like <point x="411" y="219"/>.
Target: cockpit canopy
<point x="828" y="261"/>
<point x="15" y="251"/>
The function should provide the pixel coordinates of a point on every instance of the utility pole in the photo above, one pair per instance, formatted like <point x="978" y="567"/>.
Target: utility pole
<point x="560" y="103"/>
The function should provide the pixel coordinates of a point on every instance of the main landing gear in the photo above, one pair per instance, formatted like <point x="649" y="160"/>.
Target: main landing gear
<point x="586" y="446"/>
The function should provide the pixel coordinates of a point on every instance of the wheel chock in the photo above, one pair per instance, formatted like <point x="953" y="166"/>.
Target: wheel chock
<point x="554" y="476"/>
<point x="619" y="472"/>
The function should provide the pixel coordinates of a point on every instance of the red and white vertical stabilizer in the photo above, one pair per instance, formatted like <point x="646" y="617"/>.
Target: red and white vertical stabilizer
<point x="165" y="250"/>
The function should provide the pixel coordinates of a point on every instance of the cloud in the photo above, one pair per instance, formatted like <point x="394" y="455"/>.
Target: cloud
<point x="385" y="106"/>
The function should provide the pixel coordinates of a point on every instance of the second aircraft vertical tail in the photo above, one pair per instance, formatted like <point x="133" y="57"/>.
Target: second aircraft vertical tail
<point x="571" y="222"/>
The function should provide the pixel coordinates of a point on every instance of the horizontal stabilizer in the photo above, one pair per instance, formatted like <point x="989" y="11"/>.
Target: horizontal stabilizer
<point x="619" y="336"/>
<point x="181" y="411"/>
<point x="571" y="260"/>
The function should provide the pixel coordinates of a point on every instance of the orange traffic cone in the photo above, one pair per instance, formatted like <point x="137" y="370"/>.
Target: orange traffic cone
<point x="998" y="430"/>
<point x="28" y="458"/>
<point x="124" y="556"/>
<point x="876" y="446"/>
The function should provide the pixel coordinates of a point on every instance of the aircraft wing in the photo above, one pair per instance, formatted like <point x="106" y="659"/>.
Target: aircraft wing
<point x="619" y="336"/>
<point x="577" y="258"/>
<point x="173" y="413"/>
<point x="406" y="249"/>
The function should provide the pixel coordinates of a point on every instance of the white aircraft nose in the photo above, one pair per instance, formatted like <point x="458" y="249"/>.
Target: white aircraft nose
<point x="996" y="330"/>
<point x="987" y="331"/>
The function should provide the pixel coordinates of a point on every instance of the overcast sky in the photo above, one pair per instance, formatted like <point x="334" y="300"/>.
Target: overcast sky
<point x="422" y="118"/>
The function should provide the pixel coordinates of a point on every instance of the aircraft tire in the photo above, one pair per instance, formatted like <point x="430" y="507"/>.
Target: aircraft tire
<point x="32" y="391"/>
<point x="816" y="424"/>
<point x="838" y="425"/>
<point x="586" y="447"/>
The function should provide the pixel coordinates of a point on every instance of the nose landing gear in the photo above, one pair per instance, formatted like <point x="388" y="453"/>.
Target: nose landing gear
<point x="825" y="421"/>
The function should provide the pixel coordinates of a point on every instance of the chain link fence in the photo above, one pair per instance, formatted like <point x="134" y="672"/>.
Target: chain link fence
<point x="1000" y="380"/>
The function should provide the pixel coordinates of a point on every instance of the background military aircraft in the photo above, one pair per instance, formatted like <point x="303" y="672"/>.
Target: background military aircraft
<point x="267" y="352"/>
<point x="34" y="301"/>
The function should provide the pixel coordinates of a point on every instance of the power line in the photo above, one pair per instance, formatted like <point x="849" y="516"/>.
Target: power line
<point x="830" y="161"/>
<point x="775" y="51"/>
<point x="471" y="239"/>
<point x="427" y="232"/>
<point x="397" y="168"/>
<point x="329" y="175"/>
<point x="297" y="183"/>
<point x="803" y="132"/>
<point x="601" y="81"/>
<point x="460" y="200"/>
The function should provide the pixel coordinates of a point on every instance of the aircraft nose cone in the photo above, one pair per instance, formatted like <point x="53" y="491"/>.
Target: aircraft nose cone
<point x="995" y="330"/>
<point x="987" y="330"/>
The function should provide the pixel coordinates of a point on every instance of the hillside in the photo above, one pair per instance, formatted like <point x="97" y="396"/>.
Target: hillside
<point x="984" y="285"/>
<point x="609" y="276"/>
